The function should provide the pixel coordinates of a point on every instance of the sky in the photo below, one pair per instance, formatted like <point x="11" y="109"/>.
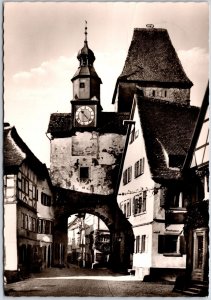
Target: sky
<point x="41" y="41"/>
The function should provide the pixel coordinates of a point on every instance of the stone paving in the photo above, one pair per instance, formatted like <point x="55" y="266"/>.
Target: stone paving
<point x="74" y="281"/>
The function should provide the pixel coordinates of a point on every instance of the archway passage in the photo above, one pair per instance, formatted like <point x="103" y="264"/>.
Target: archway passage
<point x="106" y="208"/>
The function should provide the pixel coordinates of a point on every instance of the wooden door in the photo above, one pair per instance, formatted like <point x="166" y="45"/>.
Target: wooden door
<point x="199" y="254"/>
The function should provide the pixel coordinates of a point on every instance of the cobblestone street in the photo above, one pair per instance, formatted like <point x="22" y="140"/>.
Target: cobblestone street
<point x="74" y="281"/>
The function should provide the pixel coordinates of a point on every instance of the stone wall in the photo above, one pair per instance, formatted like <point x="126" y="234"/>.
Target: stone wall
<point x="100" y="153"/>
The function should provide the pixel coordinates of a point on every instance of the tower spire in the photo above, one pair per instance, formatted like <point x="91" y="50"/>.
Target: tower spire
<point x="85" y="32"/>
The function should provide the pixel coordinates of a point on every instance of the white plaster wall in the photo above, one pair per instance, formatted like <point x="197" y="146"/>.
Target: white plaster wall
<point x="143" y="260"/>
<point x="10" y="237"/>
<point x="43" y="211"/>
<point x="158" y="259"/>
<point x="136" y="151"/>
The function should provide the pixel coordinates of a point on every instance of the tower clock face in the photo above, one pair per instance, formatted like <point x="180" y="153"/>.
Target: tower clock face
<point x="84" y="115"/>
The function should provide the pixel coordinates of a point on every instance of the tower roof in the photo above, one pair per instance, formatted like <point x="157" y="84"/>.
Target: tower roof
<point x="86" y="59"/>
<point x="152" y="58"/>
<point x="86" y="55"/>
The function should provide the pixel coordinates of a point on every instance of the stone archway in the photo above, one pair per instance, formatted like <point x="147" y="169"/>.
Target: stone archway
<point x="70" y="202"/>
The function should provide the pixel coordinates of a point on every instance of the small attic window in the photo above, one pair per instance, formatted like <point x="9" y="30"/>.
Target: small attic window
<point x="153" y="93"/>
<point x="82" y="85"/>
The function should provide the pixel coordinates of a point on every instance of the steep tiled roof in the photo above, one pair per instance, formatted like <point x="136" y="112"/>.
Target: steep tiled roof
<point x="16" y="152"/>
<point x="167" y="127"/>
<point x="152" y="58"/>
<point x="60" y="124"/>
<point x="13" y="155"/>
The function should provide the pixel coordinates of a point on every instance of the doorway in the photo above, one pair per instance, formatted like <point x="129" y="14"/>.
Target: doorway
<point x="200" y="244"/>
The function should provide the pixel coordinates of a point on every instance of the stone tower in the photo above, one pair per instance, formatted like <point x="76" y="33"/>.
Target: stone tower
<point x="153" y="69"/>
<point x="87" y="144"/>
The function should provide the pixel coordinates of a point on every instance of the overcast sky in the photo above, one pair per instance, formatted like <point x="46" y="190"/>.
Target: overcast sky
<point x="41" y="41"/>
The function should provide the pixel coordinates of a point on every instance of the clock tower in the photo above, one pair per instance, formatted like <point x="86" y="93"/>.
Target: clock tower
<point x="86" y="90"/>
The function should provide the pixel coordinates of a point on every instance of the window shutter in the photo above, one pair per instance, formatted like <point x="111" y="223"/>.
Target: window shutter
<point x="142" y="170"/>
<point x="161" y="240"/>
<point x="182" y="245"/>
<point x="134" y="203"/>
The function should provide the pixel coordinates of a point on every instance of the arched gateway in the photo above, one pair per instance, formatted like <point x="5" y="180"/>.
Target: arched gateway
<point x="86" y="150"/>
<point x="105" y="207"/>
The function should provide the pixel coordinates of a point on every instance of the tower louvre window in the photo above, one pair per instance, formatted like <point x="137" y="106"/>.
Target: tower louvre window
<point x="82" y="85"/>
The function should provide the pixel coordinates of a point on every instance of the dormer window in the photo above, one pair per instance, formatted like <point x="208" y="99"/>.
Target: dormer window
<point x="175" y="161"/>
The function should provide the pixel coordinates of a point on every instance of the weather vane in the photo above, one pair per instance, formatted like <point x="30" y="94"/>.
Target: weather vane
<point x="85" y="31"/>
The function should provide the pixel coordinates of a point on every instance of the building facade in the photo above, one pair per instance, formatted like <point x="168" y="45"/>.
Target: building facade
<point x="196" y="172"/>
<point x="88" y="241"/>
<point x="28" y="212"/>
<point x="151" y="191"/>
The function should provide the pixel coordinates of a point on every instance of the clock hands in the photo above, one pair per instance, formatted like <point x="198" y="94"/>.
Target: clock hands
<point x="85" y="115"/>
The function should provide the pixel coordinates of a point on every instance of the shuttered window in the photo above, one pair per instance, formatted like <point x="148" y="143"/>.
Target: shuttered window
<point x="127" y="175"/>
<point x="143" y="243"/>
<point x="139" y="167"/>
<point x="139" y="203"/>
<point x="137" y="244"/>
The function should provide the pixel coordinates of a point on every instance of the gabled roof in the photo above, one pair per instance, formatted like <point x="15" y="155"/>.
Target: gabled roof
<point x="16" y="152"/>
<point x="152" y="57"/>
<point x="60" y="124"/>
<point x="167" y="128"/>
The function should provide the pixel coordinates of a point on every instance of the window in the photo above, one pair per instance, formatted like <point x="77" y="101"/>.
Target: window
<point x="45" y="199"/>
<point x="171" y="245"/>
<point x="9" y="189"/>
<point x="25" y="185"/>
<point x="127" y="175"/>
<point x="139" y="203"/>
<point x="44" y="226"/>
<point x="126" y="207"/>
<point x="144" y="199"/>
<point x="33" y="224"/>
<point x="34" y="192"/>
<point x="137" y="246"/>
<point x="84" y="173"/>
<point x="153" y="93"/>
<point x="178" y="200"/>
<point x="82" y="85"/>
<point x="139" y="167"/>
<point x="134" y="135"/>
<point x="165" y="93"/>
<point x="30" y="223"/>
<point x="143" y="243"/>
<point x="39" y="226"/>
